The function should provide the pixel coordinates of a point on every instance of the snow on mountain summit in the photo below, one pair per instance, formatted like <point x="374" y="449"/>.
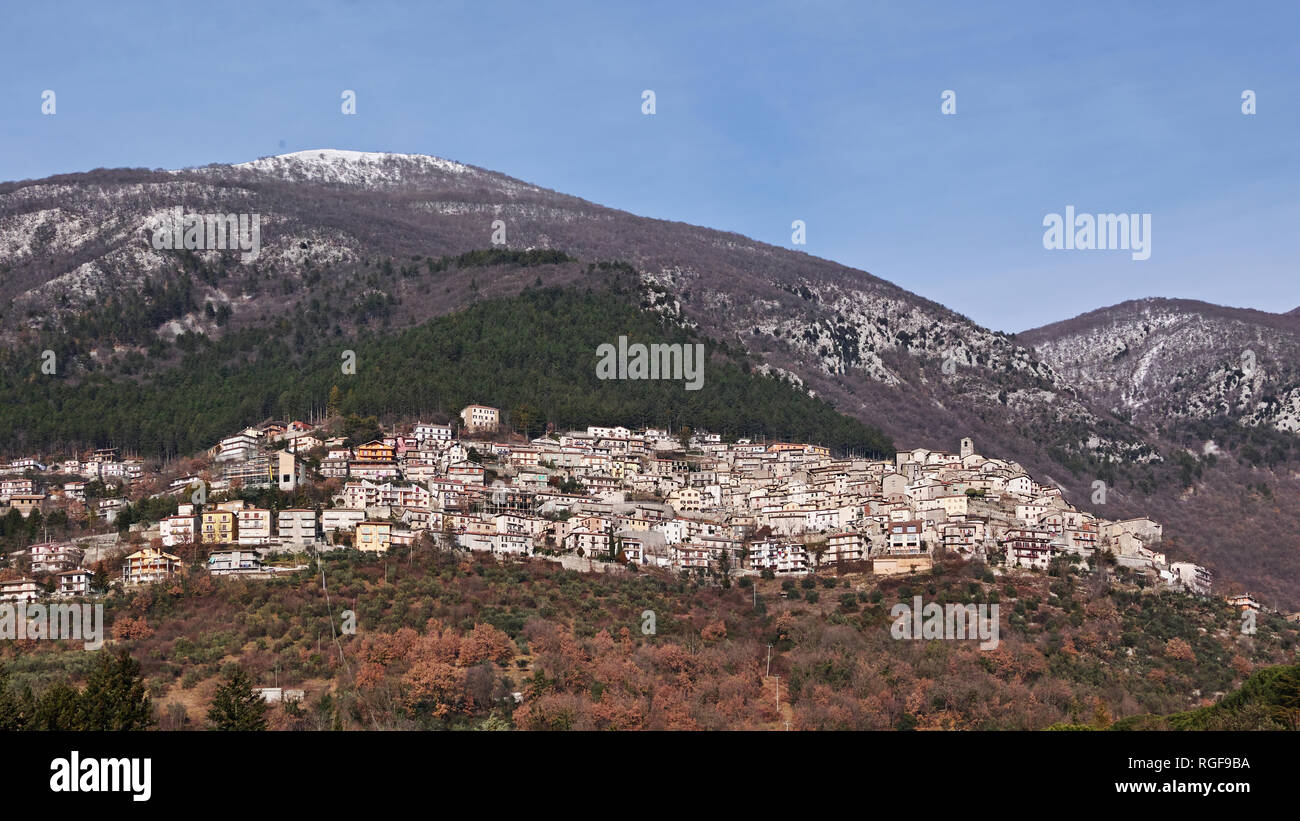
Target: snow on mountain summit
<point x="337" y="158"/>
<point x="363" y="168"/>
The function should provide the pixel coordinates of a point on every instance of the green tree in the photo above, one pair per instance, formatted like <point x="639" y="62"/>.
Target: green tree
<point x="724" y="567"/>
<point x="236" y="706"/>
<point x="524" y="418"/>
<point x="614" y="543"/>
<point x="13" y="716"/>
<point x="61" y="707"/>
<point x="1286" y="708"/>
<point x="115" y="698"/>
<point x="361" y="429"/>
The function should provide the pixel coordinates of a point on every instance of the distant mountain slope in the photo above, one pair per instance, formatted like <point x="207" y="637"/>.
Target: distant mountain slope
<point x="1165" y="360"/>
<point x="1219" y="388"/>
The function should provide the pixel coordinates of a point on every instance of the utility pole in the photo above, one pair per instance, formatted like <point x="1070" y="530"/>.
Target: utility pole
<point x="769" y="660"/>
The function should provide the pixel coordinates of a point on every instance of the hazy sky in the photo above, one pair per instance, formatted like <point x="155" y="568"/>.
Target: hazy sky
<point x="766" y="113"/>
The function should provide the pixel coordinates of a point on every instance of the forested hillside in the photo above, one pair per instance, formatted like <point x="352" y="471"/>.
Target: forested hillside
<point x="1268" y="700"/>
<point x="534" y="355"/>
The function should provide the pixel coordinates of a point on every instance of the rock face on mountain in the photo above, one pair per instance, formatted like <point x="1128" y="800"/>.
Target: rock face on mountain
<point x="339" y="229"/>
<point x="1164" y="361"/>
<point x="1219" y="389"/>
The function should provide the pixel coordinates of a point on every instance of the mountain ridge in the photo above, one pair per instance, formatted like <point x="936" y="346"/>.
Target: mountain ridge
<point x="352" y="237"/>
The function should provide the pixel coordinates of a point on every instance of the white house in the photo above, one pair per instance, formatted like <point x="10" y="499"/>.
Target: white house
<point x="74" y="582"/>
<point x="52" y="557"/>
<point x="19" y="590"/>
<point x="254" y="526"/>
<point x="341" y="518"/>
<point x="178" y="529"/>
<point x="480" y="418"/>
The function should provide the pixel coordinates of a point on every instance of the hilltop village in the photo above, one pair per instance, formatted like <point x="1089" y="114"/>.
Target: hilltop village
<point x="602" y="498"/>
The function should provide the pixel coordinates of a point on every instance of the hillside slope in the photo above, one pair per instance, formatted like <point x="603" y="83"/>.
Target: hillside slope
<point x="443" y="639"/>
<point x="354" y="243"/>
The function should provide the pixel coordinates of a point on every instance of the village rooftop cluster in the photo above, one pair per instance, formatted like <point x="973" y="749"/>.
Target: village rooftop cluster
<point x="604" y="497"/>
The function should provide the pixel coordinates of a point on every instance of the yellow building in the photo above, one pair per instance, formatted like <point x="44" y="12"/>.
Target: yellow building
<point x="374" y="536"/>
<point x="220" y="527"/>
<point x="376" y="451"/>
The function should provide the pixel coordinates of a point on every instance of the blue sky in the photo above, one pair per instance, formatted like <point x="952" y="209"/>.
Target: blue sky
<point x="766" y="113"/>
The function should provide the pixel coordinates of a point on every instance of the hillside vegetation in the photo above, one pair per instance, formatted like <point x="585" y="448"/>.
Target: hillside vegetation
<point x="535" y="351"/>
<point x="1268" y="700"/>
<point x="444" y="639"/>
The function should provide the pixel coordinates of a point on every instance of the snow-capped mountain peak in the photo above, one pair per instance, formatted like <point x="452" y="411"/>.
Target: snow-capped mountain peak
<point x="338" y="160"/>
<point x="367" y="169"/>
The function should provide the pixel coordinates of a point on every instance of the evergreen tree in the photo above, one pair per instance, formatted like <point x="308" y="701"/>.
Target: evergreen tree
<point x="236" y="706"/>
<point x="115" y="698"/>
<point x="12" y="715"/>
<point x="61" y="707"/>
<point x="524" y="419"/>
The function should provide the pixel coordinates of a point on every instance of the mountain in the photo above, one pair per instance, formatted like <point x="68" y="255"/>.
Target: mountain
<point x="1165" y="361"/>
<point x="331" y="219"/>
<point x="356" y="244"/>
<point x="1219" y="389"/>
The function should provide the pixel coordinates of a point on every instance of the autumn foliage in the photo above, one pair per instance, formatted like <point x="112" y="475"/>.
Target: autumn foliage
<point x="448" y="641"/>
